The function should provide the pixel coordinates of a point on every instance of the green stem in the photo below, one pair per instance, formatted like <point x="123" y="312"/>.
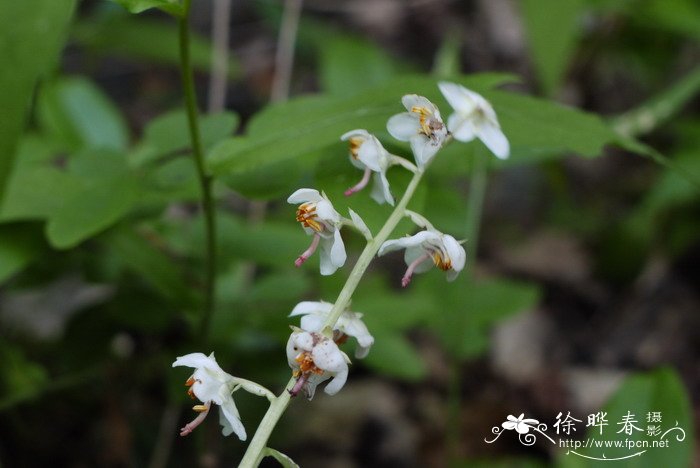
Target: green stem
<point x="205" y="181"/>
<point x="477" y="194"/>
<point x="370" y="251"/>
<point x="279" y="405"/>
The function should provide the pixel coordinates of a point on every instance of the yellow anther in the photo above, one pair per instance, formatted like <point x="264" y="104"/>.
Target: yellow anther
<point x="442" y="263"/>
<point x="306" y="215"/>
<point x="424" y="114"/>
<point x="355" y="143"/>
<point x="200" y="408"/>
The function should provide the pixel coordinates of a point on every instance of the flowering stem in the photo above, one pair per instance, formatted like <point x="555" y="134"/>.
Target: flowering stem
<point x="279" y="405"/>
<point x="205" y="181"/>
<point x="370" y="251"/>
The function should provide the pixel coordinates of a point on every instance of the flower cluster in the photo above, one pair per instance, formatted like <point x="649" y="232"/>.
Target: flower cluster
<point x="313" y="349"/>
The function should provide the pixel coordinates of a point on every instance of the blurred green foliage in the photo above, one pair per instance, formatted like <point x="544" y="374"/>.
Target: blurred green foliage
<point x="85" y="195"/>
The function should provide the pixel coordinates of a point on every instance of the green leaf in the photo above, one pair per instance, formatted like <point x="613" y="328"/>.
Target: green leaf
<point x="169" y="6"/>
<point x="659" y="391"/>
<point x="469" y="309"/>
<point x="544" y="21"/>
<point x="306" y="125"/>
<point x="153" y="265"/>
<point x="19" y="246"/>
<point x="106" y="193"/>
<point x="340" y="57"/>
<point x="393" y="355"/>
<point x="37" y="186"/>
<point x="283" y="459"/>
<point x="33" y="34"/>
<point x="147" y="40"/>
<point x="679" y="16"/>
<point x="170" y="132"/>
<point x="79" y="115"/>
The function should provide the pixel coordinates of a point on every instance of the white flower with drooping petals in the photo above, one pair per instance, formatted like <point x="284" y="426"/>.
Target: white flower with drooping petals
<point x="210" y="384"/>
<point x="422" y="126"/>
<point x="314" y="315"/>
<point x="319" y="219"/>
<point x="444" y="250"/>
<point x="315" y="359"/>
<point x="474" y="118"/>
<point x="367" y="153"/>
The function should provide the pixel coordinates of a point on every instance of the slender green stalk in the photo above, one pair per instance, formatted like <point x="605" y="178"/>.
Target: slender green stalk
<point x="205" y="181"/>
<point x="279" y="405"/>
<point x="477" y="194"/>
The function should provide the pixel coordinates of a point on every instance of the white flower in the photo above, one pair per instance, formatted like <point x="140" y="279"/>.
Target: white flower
<point x="366" y="152"/>
<point x="315" y="359"/>
<point x="210" y="384"/>
<point x="446" y="253"/>
<point x="314" y="315"/>
<point x="318" y="218"/>
<point x="422" y="126"/>
<point x="474" y="118"/>
<point x="522" y="426"/>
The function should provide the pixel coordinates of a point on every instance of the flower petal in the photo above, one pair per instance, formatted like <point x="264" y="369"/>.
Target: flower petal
<point x="462" y="128"/>
<point x="360" y="224"/>
<point x="360" y="132"/>
<point x="195" y="360"/>
<point x="410" y="101"/>
<point x="408" y="241"/>
<point x="326" y="212"/>
<point x="403" y="126"/>
<point x="494" y="139"/>
<point x="423" y="148"/>
<point x="459" y="97"/>
<point x="231" y="420"/>
<point x="311" y="307"/>
<point x="333" y="254"/>
<point x="509" y="425"/>
<point x="380" y="189"/>
<point x="304" y="195"/>
<point x="455" y="251"/>
<point x="312" y="323"/>
<point x="372" y="154"/>
<point x="414" y="253"/>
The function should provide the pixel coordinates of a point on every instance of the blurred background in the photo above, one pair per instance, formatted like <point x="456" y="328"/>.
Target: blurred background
<point x="581" y="292"/>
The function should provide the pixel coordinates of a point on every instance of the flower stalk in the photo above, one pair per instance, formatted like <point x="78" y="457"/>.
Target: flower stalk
<point x="257" y="445"/>
<point x="205" y="181"/>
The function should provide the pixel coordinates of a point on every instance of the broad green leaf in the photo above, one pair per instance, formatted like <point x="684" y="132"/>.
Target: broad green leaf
<point x="469" y="308"/>
<point x="104" y="196"/>
<point x="36" y="186"/>
<point x="143" y="39"/>
<point x="33" y="34"/>
<point x="342" y="58"/>
<point x="161" y="271"/>
<point x="659" y="391"/>
<point x="553" y="28"/>
<point x="19" y="246"/>
<point x="170" y="132"/>
<point x="79" y="115"/>
<point x="393" y="355"/>
<point x="174" y="7"/>
<point x="305" y="125"/>
<point x="281" y="458"/>
<point x="679" y="16"/>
